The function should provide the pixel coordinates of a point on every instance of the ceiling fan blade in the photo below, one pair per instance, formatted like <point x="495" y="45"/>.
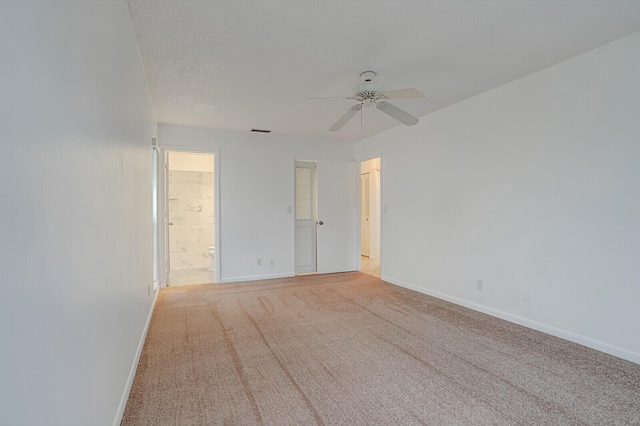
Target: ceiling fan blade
<point x="403" y="94"/>
<point x="397" y="113"/>
<point x="330" y="97"/>
<point x="345" y="118"/>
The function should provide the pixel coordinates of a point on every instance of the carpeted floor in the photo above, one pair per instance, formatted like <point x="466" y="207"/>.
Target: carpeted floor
<point x="349" y="349"/>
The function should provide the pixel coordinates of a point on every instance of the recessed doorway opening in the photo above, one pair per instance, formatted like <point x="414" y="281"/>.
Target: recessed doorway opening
<point x="191" y="251"/>
<point x="370" y="221"/>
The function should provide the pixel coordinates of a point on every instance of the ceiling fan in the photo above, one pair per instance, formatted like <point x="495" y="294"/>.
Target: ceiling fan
<point x="369" y="94"/>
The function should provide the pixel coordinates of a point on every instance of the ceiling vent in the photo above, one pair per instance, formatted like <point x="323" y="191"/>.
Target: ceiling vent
<point x="260" y="131"/>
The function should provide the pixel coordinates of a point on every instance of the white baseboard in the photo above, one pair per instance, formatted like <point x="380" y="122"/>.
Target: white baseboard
<point x="134" y="366"/>
<point x="257" y="277"/>
<point x="535" y="325"/>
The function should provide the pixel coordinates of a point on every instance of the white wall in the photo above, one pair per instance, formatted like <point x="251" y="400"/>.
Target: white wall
<point x="532" y="186"/>
<point x="255" y="174"/>
<point x="75" y="240"/>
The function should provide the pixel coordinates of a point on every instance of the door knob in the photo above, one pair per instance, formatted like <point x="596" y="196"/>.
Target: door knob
<point x="170" y="223"/>
<point x="321" y="223"/>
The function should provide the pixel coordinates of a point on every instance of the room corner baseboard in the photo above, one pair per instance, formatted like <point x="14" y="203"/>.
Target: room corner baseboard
<point x="134" y="365"/>
<point x="257" y="277"/>
<point x="525" y="322"/>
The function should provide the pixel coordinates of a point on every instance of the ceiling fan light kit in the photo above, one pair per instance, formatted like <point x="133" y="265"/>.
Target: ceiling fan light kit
<point x="370" y="93"/>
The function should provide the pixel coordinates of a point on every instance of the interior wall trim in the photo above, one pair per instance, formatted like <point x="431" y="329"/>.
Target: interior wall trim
<point x="134" y="365"/>
<point x="525" y="322"/>
<point x="258" y="277"/>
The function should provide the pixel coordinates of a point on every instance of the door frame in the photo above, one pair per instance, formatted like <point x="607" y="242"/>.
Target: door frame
<point x="380" y="208"/>
<point x="156" y="216"/>
<point x="164" y="219"/>
<point x="365" y="177"/>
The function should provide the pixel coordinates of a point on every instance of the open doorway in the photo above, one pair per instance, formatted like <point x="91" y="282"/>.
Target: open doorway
<point x="191" y="251"/>
<point x="370" y="217"/>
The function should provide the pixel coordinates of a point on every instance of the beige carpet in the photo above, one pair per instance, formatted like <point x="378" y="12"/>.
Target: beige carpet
<point x="349" y="349"/>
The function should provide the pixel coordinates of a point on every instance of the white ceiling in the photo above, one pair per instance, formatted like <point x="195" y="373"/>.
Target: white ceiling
<point x="252" y="64"/>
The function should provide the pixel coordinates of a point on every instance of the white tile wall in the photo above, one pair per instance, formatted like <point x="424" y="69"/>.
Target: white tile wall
<point x="191" y="211"/>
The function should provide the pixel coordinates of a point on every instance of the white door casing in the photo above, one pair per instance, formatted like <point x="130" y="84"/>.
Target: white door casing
<point x="374" y="216"/>
<point x="155" y="198"/>
<point x="365" y="208"/>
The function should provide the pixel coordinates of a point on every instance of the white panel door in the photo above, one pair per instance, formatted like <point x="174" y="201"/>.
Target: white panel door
<point x="305" y="217"/>
<point x="365" y="209"/>
<point x="338" y="211"/>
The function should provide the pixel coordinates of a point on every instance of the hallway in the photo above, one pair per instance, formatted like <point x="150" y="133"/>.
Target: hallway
<point x="370" y="266"/>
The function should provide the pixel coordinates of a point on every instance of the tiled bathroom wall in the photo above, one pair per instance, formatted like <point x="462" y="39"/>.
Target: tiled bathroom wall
<point x="191" y="212"/>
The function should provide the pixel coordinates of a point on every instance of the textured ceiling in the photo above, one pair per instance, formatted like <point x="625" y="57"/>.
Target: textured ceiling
<point x="253" y="64"/>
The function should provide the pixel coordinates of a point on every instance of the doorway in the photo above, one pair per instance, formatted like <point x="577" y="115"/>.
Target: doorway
<point x="190" y="249"/>
<point x="370" y="234"/>
<point x="305" y="233"/>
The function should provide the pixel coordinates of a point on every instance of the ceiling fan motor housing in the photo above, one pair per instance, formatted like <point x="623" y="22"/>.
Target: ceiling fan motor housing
<point x="368" y="90"/>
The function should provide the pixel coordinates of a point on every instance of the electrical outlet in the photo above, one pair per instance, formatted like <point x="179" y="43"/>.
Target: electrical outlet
<point x="526" y="296"/>
<point x="148" y="289"/>
<point x="480" y="285"/>
<point x="259" y="262"/>
<point x="272" y="262"/>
